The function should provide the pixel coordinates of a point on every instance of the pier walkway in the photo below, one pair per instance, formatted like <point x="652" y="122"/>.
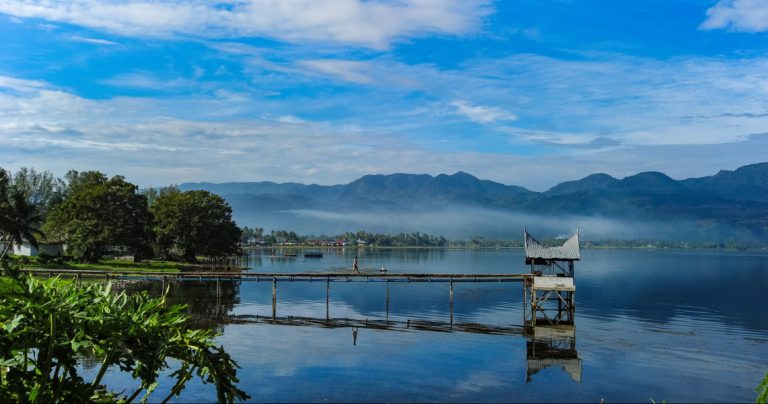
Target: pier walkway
<point x="283" y="277"/>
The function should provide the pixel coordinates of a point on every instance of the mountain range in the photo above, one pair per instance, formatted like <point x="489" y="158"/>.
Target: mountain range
<point x="725" y="206"/>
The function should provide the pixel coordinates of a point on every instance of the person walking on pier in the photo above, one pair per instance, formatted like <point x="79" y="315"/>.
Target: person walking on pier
<point x="355" y="270"/>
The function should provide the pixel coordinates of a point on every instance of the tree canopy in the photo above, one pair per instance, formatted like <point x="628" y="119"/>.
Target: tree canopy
<point x="39" y="188"/>
<point x="19" y="219"/>
<point x="194" y="222"/>
<point x="100" y="214"/>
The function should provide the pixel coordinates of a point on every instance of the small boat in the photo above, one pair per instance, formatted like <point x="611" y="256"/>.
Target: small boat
<point x="313" y="255"/>
<point x="289" y="255"/>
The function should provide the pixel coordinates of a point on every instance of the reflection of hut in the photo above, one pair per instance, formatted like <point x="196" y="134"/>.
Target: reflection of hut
<point x="550" y="290"/>
<point x="553" y="346"/>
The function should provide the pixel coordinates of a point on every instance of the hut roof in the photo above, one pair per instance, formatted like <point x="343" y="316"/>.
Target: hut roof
<point x="568" y="251"/>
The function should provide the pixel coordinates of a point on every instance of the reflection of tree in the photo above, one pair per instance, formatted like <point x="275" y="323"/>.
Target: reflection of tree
<point x="411" y="256"/>
<point x="204" y="304"/>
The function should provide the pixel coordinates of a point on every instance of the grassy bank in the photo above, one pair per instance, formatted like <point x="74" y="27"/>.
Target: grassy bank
<point x="103" y="265"/>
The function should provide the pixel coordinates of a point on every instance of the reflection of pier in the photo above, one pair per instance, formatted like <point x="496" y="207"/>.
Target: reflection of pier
<point x="546" y="346"/>
<point x="276" y="278"/>
<point x="378" y="324"/>
<point x="553" y="345"/>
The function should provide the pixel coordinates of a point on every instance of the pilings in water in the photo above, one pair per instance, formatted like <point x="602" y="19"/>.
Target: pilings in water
<point x="274" y="297"/>
<point x="549" y="296"/>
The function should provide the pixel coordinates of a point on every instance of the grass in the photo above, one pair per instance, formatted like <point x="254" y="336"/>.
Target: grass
<point x="143" y="266"/>
<point x="103" y="265"/>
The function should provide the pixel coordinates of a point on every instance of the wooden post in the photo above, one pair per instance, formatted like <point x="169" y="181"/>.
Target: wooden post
<point x="525" y="305"/>
<point x="218" y="300"/>
<point x="387" y="318"/>
<point x="274" y="298"/>
<point x="533" y="306"/>
<point x="450" y="286"/>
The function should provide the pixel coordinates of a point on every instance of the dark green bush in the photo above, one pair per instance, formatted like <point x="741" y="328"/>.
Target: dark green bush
<point x="48" y="326"/>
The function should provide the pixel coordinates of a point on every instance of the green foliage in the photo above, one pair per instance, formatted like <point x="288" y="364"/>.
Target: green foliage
<point x="19" y="219"/>
<point x="100" y="214"/>
<point x="194" y="223"/>
<point x="357" y="238"/>
<point x="398" y="240"/>
<point x="251" y="232"/>
<point x="762" y="391"/>
<point x="40" y="189"/>
<point x="47" y="328"/>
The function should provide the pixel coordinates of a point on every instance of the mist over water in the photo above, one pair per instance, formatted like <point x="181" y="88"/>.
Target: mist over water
<point x="465" y="222"/>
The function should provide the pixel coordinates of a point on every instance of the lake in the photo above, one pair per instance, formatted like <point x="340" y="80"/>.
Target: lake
<point x="657" y="325"/>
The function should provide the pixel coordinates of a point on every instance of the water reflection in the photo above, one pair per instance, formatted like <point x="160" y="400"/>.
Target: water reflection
<point x="553" y="346"/>
<point x="682" y="326"/>
<point x="217" y="304"/>
<point x="207" y="302"/>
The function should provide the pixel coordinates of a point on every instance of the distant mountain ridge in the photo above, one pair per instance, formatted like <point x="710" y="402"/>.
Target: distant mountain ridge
<point x="733" y="200"/>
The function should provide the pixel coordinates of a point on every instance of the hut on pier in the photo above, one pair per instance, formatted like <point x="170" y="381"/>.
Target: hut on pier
<point x="554" y="260"/>
<point x="550" y="289"/>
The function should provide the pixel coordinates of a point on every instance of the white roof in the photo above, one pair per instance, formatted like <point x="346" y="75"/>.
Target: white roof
<point x="568" y="251"/>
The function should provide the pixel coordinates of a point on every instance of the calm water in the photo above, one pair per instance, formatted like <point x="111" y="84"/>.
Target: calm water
<point x="663" y="325"/>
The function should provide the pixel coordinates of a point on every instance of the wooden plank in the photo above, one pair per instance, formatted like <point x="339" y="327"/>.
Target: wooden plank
<point x="553" y="283"/>
<point x="305" y="277"/>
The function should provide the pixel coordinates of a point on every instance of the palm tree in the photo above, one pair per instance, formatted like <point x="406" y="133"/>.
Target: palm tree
<point x="19" y="221"/>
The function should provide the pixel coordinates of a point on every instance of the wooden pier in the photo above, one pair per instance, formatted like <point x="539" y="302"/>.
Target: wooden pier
<point x="276" y="278"/>
<point x="283" y="276"/>
<point x="548" y="290"/>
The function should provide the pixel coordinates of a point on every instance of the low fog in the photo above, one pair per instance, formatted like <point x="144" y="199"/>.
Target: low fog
<point x="461" y="223"/>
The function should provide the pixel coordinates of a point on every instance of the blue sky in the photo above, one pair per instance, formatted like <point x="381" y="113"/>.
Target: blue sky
<point x="530" y="93"/>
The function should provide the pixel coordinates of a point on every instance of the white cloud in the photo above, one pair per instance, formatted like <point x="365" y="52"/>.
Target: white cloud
<point x="738" y="15"/>
<point x="347" y="70"/>
<point x="95" y="41"/>
<point x="21" y="85"/>
<point x="289" y="119"/>
<point x="147" y="81"/>
<point x="373" y="24"/>
<point x="482" y="114"/>
<point x="687" y="117"/>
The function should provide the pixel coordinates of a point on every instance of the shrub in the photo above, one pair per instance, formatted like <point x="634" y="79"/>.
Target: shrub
<point x="48" y="326"/>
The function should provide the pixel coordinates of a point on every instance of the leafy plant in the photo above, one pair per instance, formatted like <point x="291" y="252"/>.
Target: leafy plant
<point x="48" y="327"/>
<point x="762" y="391"/>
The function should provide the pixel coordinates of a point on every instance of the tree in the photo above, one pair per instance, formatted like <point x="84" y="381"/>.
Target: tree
<point x="251" y="232"/>
<point x="153" y="193"/>
<point x="194" y="222"/>
<point x="19" y="220"/>
<point x="40" y="189"/>
<point x="99" y="214"/>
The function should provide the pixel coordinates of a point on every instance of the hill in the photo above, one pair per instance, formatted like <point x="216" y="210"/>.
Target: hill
<point x="726" y="206"/>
